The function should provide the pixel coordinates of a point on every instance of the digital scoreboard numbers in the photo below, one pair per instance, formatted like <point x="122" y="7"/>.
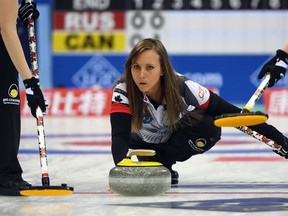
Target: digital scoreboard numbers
<point x="206" y="4"/>
<point x="152" y="24"/>
<point x="171" y="5"/>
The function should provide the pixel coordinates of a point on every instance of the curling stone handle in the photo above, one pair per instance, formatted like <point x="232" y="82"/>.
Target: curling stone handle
<point x="141" y="152"/>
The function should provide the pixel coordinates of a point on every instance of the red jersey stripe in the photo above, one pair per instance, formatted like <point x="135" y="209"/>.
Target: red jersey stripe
<point x="120" y="108"/>
<point x="205" y="105"/>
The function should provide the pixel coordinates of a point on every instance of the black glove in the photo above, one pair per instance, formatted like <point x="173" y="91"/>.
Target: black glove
<point x="282" y="149"/>
<point x="282" y="152"/>
<point x="276" y="67"/>
<point x="27" y="10"/>
<point x="34" y="95"/>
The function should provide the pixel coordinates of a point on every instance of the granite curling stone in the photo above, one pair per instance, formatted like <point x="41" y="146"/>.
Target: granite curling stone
<point x="139" y="178"/>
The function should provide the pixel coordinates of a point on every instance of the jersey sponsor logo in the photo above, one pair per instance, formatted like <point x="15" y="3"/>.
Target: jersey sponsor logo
<point x="200" y="142"/>
<point x="88" y="42"/>
<point x="13" y="93"/>
<point x="201" y="92"/>
<point x="147" y="118"/>
<point x="195" y="146"/>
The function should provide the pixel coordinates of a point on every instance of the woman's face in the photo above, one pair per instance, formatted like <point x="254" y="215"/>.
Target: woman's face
<point x="146" y="72"/>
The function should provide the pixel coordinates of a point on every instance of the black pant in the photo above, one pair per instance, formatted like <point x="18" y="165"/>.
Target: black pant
<point x="9" y="118"/>
<point x="184" y="143"/>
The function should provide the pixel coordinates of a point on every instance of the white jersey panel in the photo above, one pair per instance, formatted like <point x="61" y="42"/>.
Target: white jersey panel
<point x="119" y="94"/>
<point x="155" y="120"/>
<point x="200" y="93"/>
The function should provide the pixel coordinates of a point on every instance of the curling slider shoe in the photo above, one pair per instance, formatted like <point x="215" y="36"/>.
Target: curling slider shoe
<point x="62" y="190"/>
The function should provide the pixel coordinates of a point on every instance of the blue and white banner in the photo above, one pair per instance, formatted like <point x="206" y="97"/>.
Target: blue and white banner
<point x="235" y="76"/>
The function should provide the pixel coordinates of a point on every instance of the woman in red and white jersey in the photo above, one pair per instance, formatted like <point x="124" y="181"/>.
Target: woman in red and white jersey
<point x="153" y="107"/>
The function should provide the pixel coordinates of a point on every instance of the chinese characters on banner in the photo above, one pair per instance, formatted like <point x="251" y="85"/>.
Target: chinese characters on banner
<point x="73" y="102"/>
<point x="276" y="101"/>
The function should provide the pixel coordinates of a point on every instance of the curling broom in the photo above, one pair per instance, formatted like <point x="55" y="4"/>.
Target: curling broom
<point x="45" y="189"/>
<point x="245" y="118"/>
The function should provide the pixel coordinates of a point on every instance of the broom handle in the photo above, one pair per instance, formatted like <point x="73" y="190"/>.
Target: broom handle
<point x="257" y="94"/>
<point x="271" y="143"/>
<point x="39" y="114"/>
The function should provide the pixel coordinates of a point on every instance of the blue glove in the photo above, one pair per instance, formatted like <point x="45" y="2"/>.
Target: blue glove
<point x="34" y="95"/>
<point x="27" y="10"/>
<point x="276" y="66"/>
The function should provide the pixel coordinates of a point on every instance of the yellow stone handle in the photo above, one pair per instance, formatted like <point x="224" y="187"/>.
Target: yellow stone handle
<point x="141" y="152"/>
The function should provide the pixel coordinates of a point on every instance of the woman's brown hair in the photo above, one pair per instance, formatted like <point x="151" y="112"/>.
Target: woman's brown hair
<point x="169" y="83"/>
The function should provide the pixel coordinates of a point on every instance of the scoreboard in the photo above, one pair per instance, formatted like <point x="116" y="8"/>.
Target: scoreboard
<point x="183" y="25"/>
<point x="210" y="41"/>
<point x="171" y="5"/>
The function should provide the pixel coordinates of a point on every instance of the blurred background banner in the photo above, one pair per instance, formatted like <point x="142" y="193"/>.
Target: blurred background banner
<point x="276" y="101"/>
<point x="73" y="102"/>
<point x="221" y="44"/>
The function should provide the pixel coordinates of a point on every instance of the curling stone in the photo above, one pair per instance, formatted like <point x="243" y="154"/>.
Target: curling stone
<point x="139" y="178"/>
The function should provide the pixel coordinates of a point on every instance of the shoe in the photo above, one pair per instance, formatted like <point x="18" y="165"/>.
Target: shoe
<point x="174" y="177"/>
<point x="12" y="187"/>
